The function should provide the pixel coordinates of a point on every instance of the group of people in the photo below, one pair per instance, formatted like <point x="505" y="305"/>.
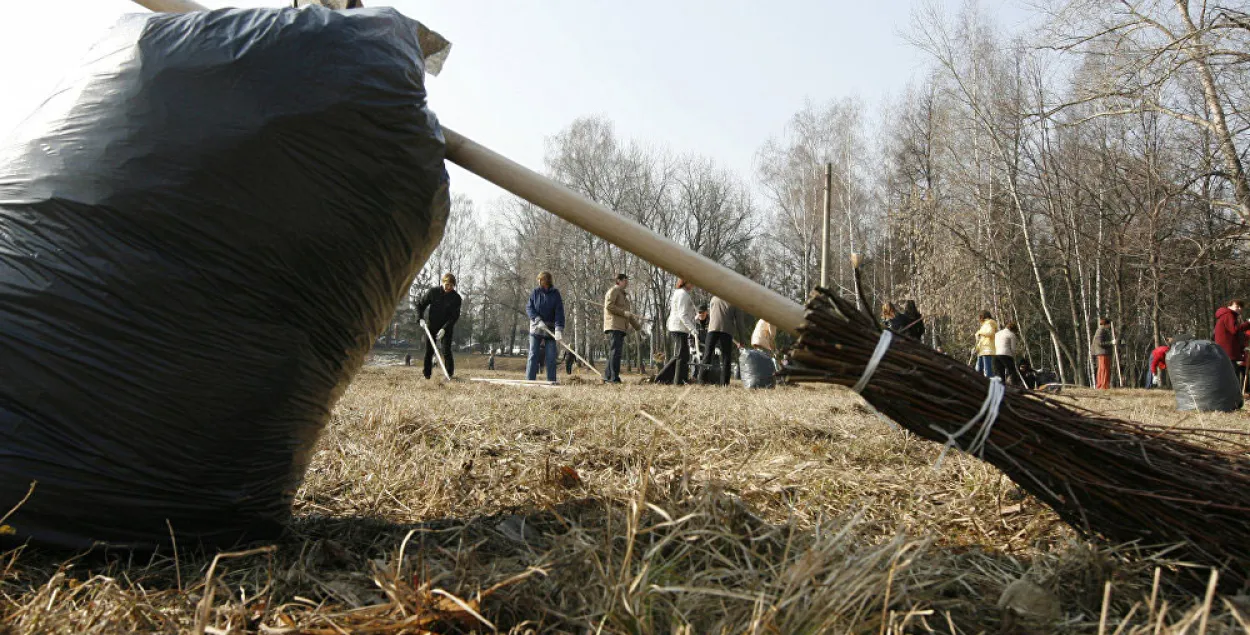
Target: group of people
<point x="995" y="352"/>
<point x="906" y="321"/>
<point x="708" y="328"/>
<point x="439" y="310"/>
<point x="996" y="348"/>
<point x="1230" y="335"/>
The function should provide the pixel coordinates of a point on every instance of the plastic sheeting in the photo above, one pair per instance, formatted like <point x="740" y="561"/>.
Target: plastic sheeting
<point x="1203" y="377"/>
<point x="757" y="368"/>
<point x="201" y="235"/>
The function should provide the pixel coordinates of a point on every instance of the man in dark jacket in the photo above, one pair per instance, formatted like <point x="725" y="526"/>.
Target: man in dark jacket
<point x="700" y="325"/>
<point x="444" y="305"/>
<point x="1230" y="335"/>
<point x="913" y="322"/>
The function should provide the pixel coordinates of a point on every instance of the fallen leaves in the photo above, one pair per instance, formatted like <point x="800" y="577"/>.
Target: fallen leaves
<point x="568" y="477"/>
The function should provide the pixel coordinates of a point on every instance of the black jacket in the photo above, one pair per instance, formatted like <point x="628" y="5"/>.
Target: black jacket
<point x="908" y="324"/>
<point x="444" y="308"/>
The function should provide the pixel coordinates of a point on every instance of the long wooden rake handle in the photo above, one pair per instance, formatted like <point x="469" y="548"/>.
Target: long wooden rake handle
<point x="570" y="349"/>
<point x="434" y="346"/>
<point x="735" y="288"/>
<point x="631" y="236"/>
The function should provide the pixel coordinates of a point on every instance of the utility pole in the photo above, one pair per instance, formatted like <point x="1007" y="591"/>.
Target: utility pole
<point x="824" y="235"/>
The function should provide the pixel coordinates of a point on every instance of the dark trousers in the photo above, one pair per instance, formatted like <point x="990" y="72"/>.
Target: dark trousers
<point x="1006" y="367"/>
<point x="615" y="348"/>
<point x="723" y="344"/>
<point x="444" y="347"/>
<point x="681" y="351"/>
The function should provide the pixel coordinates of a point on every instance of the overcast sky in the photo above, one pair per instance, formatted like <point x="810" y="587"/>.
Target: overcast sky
<point x="713" y="77"/>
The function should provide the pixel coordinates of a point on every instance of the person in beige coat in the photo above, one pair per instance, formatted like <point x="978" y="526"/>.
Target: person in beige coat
<point x="764" y="337"/>
<point x="721" y="319"/>
<point x="618" y="318"/>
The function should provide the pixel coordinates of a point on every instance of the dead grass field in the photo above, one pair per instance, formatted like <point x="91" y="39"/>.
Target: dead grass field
<point x="460" y="507"/>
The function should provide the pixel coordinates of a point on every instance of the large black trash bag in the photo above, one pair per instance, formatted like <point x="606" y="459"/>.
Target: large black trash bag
<point x="1203" y="377"/>
<point x="200" y="238"/>
<point x="758" y="368"/>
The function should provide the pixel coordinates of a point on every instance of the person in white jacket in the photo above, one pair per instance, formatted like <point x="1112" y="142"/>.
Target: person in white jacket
<point x="681" y="323"/>
<point x="1005" y="354"/>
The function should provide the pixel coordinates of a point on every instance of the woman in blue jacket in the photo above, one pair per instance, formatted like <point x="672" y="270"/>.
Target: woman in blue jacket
<point x="546" y="312"/>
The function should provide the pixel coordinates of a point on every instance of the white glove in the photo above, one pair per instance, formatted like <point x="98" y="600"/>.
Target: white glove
<point x="422" y="323"/>
<point x="559" y="335"/>
<point x="441" y="333"/>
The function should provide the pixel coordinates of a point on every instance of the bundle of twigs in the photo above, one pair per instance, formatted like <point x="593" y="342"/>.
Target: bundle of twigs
<point x="1108" y="478"/>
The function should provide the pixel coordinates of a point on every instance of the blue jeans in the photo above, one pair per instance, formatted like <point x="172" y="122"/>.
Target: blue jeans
<point x="985" y="365"/>
<point x="615" y="348"/>
<point x="545" y="346"/>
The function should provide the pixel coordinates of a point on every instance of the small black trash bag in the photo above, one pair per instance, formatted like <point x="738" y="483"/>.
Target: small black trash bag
<point x="200" y="237"/>
<point x="1203" y="377"/>
<point x="757" y="368"/>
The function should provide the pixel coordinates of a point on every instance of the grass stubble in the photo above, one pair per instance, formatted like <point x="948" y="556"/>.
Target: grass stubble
<point x="467" y="507"/>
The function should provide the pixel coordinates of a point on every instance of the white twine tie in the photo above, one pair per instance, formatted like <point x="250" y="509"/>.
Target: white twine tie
<point x="883" y="344"/>
<point x="988" y="414"/>
<point x="877" y="354"/>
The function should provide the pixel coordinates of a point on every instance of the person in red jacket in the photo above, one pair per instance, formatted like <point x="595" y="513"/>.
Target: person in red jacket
<point x="1158" y="362"/>
<point x="1230" y="335"/>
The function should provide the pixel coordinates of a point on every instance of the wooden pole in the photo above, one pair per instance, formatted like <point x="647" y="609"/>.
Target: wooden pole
<point x="172" y="6"/>
<point x="824" y="234"/>
<point x="629" y="235"/>
<point x="735" y="288"/>
<point x="437" y="354"/>
<point x="570" y="349"/>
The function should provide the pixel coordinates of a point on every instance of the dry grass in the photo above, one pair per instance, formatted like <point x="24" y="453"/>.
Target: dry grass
<point x="566" y="510"/>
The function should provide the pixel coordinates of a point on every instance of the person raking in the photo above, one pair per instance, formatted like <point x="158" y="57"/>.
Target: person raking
<point x="443" y="303"/>
<point x="618" y="318"/>
<point x="545" y="309"/>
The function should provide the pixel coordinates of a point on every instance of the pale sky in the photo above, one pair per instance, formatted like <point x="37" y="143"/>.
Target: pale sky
<point x="713" y="77"/>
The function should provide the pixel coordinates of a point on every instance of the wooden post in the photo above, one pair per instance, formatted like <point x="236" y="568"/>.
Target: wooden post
<point x="824" y="233"/>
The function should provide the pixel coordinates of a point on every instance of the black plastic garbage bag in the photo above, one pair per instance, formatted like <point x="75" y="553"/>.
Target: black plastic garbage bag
<point x="758" y="368"/>
<point x="1203" y="377"/>
<point x="200" y="237"/>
